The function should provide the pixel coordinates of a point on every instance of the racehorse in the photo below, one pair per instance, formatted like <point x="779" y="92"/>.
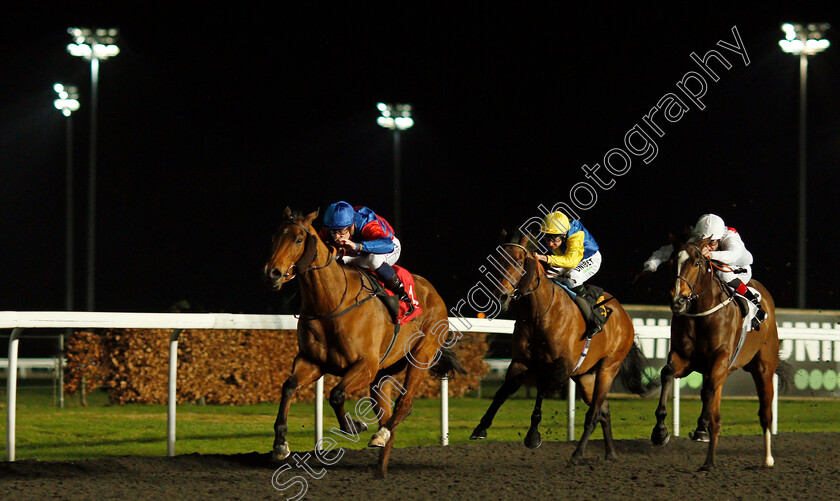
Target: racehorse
<point x="548" y="340"/>
<point x="342" y="332"/>
<point x="705" y="332"/>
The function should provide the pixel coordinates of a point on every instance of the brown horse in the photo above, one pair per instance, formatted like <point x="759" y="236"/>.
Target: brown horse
<point x="548" y="339"/>
<point x="705" y="331"/>
<point x="344" y="333"/>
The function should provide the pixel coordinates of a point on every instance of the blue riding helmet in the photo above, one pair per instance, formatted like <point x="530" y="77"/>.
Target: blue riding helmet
<point x="339" y="215"/>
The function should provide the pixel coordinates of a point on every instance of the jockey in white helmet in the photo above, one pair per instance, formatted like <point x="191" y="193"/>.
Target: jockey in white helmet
<point x="725" y="247"/>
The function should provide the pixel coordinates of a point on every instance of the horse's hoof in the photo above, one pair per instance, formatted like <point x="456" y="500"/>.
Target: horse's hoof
<point x="700" y="436"/>
<point x="532" y="441"/>
<point x="380" y="438"/>
<point x="769" y="462"/>
<point x="660" y="436"/>
<point x="360" y="427"/>
<point x="575" y="460"/>
<point x="478" y="434"/>
<point x="706" y="467"/>
<point x="280" y="452"/>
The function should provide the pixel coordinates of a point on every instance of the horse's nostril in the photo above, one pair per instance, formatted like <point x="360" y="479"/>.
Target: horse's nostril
<point x="274" y="273"/>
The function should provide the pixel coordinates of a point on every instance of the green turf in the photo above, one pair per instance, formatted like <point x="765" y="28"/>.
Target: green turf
<point x="99" y="430"/>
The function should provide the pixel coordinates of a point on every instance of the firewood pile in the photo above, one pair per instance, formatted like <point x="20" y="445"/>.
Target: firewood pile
<point x="230" y="367"/>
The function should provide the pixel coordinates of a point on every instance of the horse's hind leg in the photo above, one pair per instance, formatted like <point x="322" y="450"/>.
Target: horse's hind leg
<point x="676" y="367"/>
<point x="513" y="380"/>
<point x="763" y="377"/>
<point x="414" y="374"/>
<point x="602" y="383"/>
<point x="303" y="373"/>
<point x="381" y="394"/>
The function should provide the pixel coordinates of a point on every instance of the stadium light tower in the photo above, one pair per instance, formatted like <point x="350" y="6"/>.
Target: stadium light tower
<point x="803" y="41"/>
<point x="397" y="118"/>
<point x="93" y="45"/>
<point x="67" y="103"/>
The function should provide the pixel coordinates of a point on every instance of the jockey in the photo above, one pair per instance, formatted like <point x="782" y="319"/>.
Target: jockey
<point x="368" y="241"/>
<point x="725" y="247"/>
<point x="573" y="255"/>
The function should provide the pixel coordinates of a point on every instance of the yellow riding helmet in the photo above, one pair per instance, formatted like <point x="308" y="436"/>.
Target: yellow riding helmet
<point x="555" y="223"/>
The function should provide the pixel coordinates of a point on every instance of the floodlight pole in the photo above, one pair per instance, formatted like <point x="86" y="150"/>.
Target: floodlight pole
<point x="93" y="45"/>
<point x="67" y="103"/>
<point x="801" y="262"/>
<point x="397" y="118"/>
<point x="803" y="41"/>
<point x="91" y="236"/>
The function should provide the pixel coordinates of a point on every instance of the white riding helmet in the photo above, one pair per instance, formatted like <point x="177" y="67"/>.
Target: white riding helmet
<point x="709" y="226"/>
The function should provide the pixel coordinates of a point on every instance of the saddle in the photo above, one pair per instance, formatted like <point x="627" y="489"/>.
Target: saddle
<point x="594" y="296"/>
<point x="395" y="307"/>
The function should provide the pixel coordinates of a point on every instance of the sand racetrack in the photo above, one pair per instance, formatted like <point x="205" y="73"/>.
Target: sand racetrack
<point x="807" y="467"/>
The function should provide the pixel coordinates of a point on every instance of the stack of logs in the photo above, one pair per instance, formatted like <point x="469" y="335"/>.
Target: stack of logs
<point x="220" y="367"/>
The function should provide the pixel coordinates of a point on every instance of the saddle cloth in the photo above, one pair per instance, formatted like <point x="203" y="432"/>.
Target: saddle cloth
<point x="391" y="300"/>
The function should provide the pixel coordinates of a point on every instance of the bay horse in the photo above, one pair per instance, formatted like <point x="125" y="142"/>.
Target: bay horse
<point x="705" y="330"/>
<point x="548" y="339"/>
<point x="342" y="332"/>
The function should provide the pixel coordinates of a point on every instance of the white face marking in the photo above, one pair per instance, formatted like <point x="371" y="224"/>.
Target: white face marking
<point x="682" y="257"/>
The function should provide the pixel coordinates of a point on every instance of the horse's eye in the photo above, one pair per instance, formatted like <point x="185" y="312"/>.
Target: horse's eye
<point x="697" y="264"/>
<point x="299" y="240"/>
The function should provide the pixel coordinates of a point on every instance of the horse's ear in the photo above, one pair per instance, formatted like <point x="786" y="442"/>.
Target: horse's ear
<point x="312" y="215"/>
<point x="503" y="236"/>
<point x="674" y="239"/>
<point x="287" y="212"/>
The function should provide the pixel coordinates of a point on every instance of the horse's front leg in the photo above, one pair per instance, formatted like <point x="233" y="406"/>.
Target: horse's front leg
<point x="533" y="438"/>
<point x="514" y="377"/>
<point x="676" y="367"/>
<point x="359" y="375"/>
<point x="303" y="373"/>
<point x="711" y="393"/>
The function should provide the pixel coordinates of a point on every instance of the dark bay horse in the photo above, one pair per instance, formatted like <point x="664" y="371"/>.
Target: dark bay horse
<point x="344" y="333"/>
<point x="548" y="339"/>
<point x="705" y="331"/>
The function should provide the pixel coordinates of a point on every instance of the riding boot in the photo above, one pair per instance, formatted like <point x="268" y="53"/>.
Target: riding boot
<point x="396" y="286"/>
<point x="742" y="290"/>
<point x="592" y="325"/>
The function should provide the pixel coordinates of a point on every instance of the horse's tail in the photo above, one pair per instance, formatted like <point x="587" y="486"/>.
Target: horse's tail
<point x="447" y="365"/>
<point x="785" y="372"/>
<point x="633" y="373"/>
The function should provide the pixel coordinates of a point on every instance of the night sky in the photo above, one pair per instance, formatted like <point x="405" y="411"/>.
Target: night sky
<point x="211" y="123"/>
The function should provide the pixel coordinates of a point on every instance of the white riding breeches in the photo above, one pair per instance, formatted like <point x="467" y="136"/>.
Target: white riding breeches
<point x="374" y="261"/>
<point x="742" y="273"/>
<point x="582" y="272"/>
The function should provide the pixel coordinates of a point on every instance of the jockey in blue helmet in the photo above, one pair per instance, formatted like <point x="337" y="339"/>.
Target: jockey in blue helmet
<point x="368" y="241"/>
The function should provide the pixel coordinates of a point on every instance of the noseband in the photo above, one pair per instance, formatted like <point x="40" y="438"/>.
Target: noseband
<point x="694" y="295"/>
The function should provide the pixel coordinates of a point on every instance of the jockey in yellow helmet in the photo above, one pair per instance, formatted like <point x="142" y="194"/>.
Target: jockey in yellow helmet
<point x="573" y="259"/>
<point x="574" y="253"/>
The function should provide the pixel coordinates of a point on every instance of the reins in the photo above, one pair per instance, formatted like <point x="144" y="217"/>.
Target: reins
<point x="333" y="257"/>
<point x="710" y="266"/>
<point x="534" y="289"/>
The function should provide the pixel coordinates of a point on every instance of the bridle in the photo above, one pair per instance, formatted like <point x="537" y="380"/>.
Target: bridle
<point x="288" y="275"/>
<point x="709" y="265"/>
<point x="517" y="294"/>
